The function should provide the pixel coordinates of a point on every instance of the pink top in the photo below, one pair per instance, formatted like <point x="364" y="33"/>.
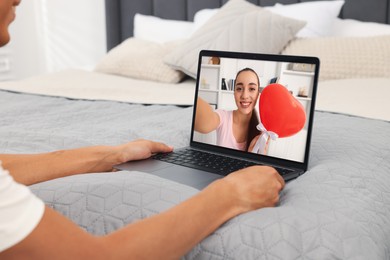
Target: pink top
<point x="225" y="135"/>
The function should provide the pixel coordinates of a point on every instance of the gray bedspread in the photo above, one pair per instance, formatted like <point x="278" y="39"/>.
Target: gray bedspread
<point x="339" y="209"/>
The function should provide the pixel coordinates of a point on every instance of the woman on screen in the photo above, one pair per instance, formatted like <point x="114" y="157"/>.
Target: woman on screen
<point x="235" y="129"/>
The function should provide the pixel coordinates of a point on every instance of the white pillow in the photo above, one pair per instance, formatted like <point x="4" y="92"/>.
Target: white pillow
<point x="319" y="16"/>
<point x="202" y="16"/>
<point x="237" y="26"/>
<point x="140" y="59"/>
<point x="350" y="28"/>
<point x="152" y="28"/>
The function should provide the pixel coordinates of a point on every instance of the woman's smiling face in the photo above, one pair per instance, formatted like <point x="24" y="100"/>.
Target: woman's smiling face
<point x="246" y="91"/>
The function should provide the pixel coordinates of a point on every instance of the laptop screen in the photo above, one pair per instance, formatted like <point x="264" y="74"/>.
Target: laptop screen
<point x="255" y="103"/>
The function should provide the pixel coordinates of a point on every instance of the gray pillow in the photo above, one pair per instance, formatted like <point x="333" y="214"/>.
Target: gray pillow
<point x="237" y="26"/>
<point x="346" y="57"/>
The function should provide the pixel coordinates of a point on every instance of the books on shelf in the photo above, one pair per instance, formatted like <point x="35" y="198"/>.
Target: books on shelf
<point x="227" y="84"/>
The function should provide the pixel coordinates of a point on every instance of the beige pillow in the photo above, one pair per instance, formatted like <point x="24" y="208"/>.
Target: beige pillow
<point x="237" y="26"/>
<point x="140" y="59"/>
<point x="346" y="57"/>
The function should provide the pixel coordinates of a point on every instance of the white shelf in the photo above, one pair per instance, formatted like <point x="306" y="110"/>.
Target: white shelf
<point x="303" y="73"/>
<point x="210" y="66"/>
<point x="303" y="98"/>
<point x="207" y="90"/>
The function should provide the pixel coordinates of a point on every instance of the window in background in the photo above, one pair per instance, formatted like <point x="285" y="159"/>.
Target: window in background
<point x="52" y="35"/>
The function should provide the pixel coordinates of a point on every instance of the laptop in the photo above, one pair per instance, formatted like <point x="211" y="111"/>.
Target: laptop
<point x="207" y="158"/>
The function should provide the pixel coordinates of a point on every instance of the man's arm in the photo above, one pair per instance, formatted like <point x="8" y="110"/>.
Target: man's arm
<point x="33" y="168"/>
<point x="168" y="235"/>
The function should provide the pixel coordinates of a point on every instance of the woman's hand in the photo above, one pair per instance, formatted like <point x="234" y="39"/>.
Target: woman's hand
<point x="253" y="143"/>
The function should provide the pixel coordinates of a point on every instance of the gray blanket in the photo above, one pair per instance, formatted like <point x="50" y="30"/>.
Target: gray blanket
<point x="339" y="209"/>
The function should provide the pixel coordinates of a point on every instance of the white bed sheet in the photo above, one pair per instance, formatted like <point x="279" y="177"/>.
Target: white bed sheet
<point x="82" y="84"/>
<point x="366" y="97"/>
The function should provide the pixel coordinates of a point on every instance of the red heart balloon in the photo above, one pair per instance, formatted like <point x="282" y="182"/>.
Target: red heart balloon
<point x="280" y="112"/>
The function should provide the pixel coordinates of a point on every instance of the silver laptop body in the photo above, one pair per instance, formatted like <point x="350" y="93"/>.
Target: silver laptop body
<point x="215" y="85"/>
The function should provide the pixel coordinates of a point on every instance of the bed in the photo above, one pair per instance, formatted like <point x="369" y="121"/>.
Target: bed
<point x="339" y="209"/>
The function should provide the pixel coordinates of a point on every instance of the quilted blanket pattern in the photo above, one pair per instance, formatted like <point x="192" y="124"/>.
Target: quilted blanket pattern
<point x="339" y="209"/>
<point x="101" y="203"/>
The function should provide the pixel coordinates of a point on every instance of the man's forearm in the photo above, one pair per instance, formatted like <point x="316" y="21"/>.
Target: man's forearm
<point x="173" y="233"/>
<point x="33" y="168"/>
<point x="168" y="235"/>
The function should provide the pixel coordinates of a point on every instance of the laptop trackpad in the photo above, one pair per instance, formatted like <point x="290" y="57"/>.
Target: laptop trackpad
<point x="191" y="177"/>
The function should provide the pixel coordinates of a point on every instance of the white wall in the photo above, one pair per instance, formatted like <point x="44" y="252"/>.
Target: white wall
<point x="52" y="35"/>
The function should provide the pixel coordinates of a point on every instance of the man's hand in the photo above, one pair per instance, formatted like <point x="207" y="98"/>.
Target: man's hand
<point x="33" y="168"/>
<point x="255" y="187"/>
<point x="140" y="149"/>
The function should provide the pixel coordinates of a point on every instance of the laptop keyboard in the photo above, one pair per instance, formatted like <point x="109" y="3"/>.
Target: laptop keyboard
<point x="209" y="162"/>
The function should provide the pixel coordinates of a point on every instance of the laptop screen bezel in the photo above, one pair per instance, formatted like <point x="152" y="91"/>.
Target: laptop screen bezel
<point x="253" y="156"/>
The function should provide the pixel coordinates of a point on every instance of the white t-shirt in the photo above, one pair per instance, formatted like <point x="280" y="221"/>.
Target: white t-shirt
<point x="20" y="211"/>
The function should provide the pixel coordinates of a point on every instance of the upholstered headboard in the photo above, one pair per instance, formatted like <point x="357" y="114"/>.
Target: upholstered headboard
<point x="120" y="13"/>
